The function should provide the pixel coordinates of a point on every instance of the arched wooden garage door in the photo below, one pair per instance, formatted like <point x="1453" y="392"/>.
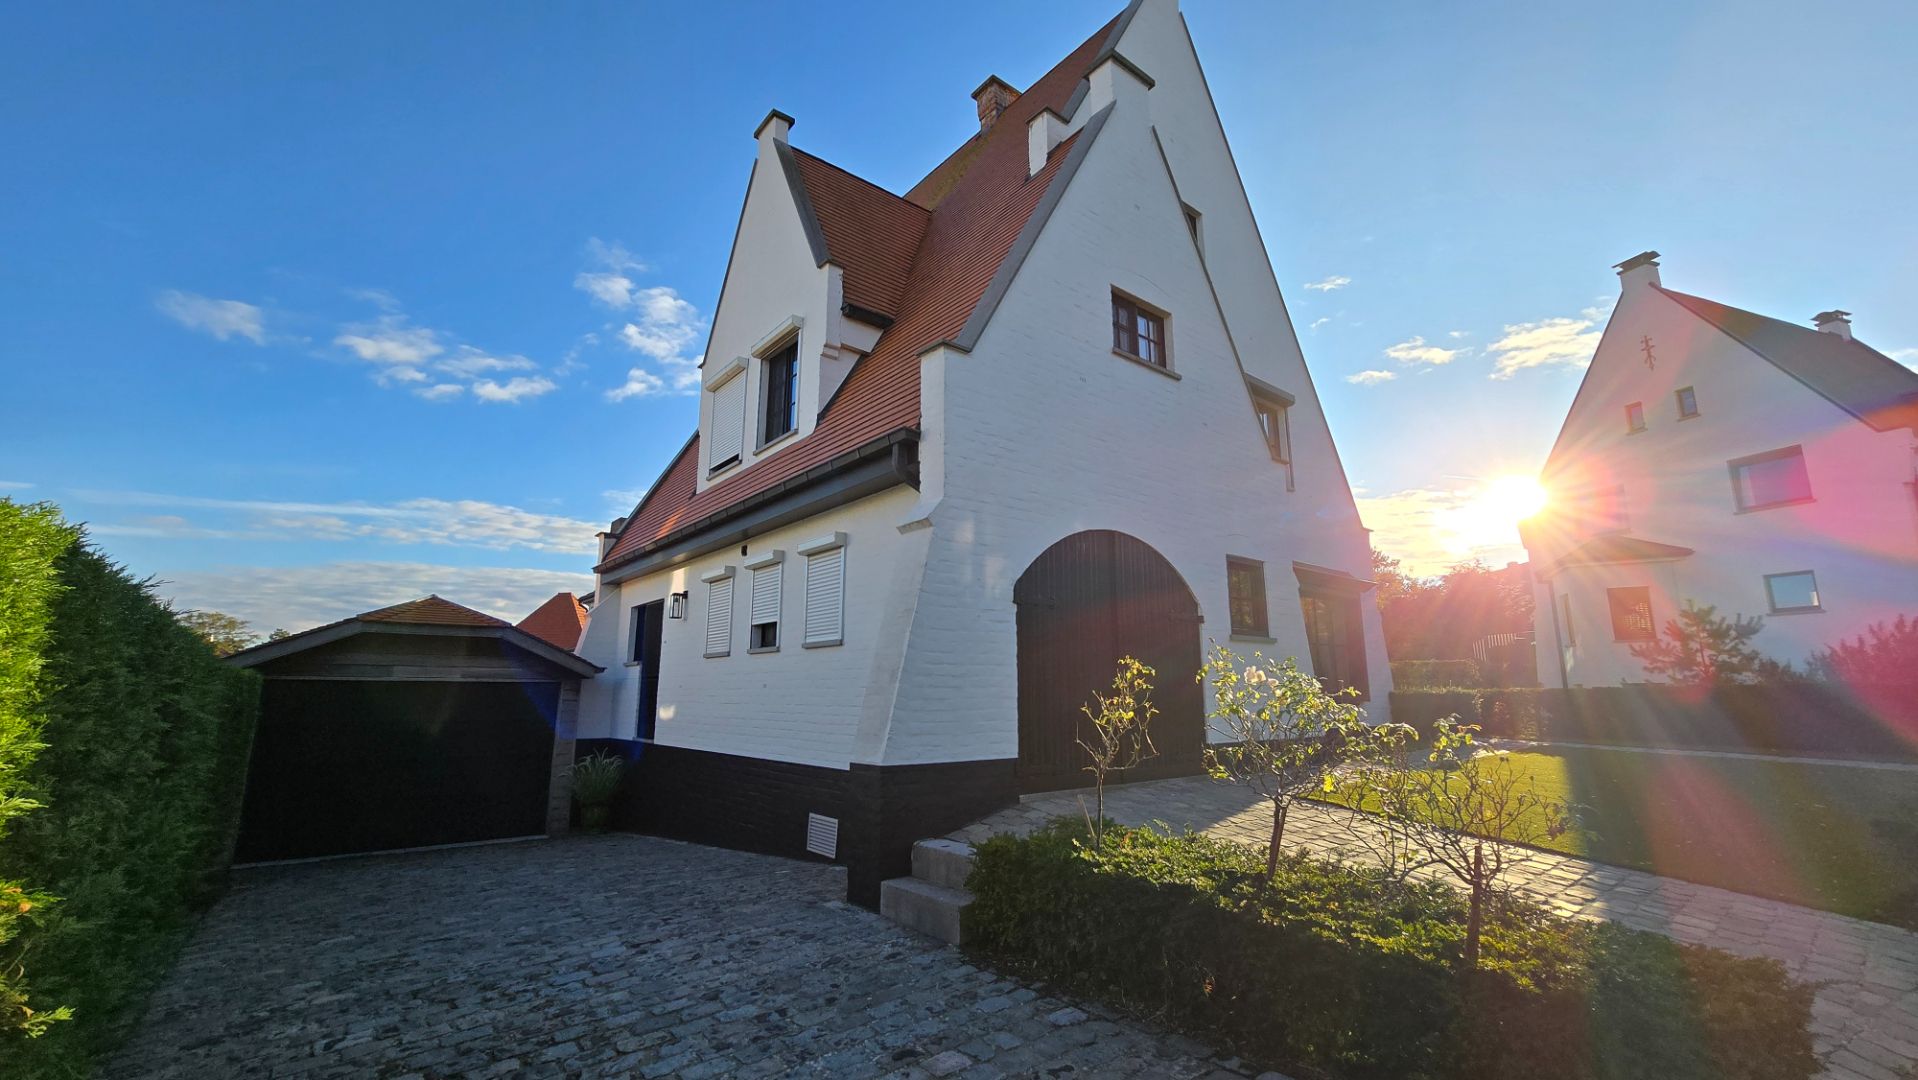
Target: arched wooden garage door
<point x="1084" y="603"/>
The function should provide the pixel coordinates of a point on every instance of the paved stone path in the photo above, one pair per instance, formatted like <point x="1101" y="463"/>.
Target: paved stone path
<point x="1865" y="1016"/>
<point x="605" y="956"/>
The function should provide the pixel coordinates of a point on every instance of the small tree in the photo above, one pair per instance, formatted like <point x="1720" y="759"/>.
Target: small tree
<point x="1120" y="736"/>
<point x="1463" y="811"/>
<point x="1885" y="655"/>
<point x="1703" y="648"/>
<point x="224" y="633"/>
<point x="1289" y="737"/>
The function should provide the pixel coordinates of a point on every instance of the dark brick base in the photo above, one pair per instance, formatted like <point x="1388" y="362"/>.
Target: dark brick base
<point x="752" y="804"/>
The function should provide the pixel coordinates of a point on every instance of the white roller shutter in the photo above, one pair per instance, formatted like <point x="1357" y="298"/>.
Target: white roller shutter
<point x="729" y="421"/>
<point x="766" y="594"/>
<point x="719" y="617"/>
<point x="826" y="597"/>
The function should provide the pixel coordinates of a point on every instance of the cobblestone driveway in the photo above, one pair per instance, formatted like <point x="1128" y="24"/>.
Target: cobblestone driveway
<point x="607" y="956"/>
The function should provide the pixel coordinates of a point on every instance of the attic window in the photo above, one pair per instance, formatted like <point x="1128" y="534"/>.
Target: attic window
<point x="1272" y="406"/>
<point x="1635" y="418"/>
<point x="781" y="392"/>
<point x="1138" y="331"/>
<point x="1687" y="402"/>
<point x="1192" y="225"/>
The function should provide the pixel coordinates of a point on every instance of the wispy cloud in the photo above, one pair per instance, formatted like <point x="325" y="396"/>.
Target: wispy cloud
<point x="1907" y="357"/>
<point x="390" y="341"/>
<point x="1555" y="342"/>
<point x="1371" y="378"/>
<point x="441" y="391"/>
<point x="301" y="597"/>
<point x="1320" y="321"/>
<point x="514" y="390"/>
<point x="222" y="319"/>
<point x="1414" y="350"/>
<point x="14" y="485"/>
<point x="430" y="363"/>
<point x="1457" y="334"/>
<point x="608" y="276"/>
<point x="1328" y="284"/>
<point x="438" y="522"/>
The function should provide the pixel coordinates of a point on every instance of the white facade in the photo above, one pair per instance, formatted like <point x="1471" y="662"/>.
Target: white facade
<point x="1036" y="432"/>
<point x="1673" y="482"/>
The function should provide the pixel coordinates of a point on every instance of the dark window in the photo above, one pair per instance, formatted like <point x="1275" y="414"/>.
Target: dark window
<point x="1687" y="402"/>
<point x="1245" y="589"/>
<point x="1336" y="636"/>
<point x="782" y="393"/>
<point x="1796" y="591"/>
<point x="638" y="653"/>
<point x="1635" y="416"/>
<point x="765" y="636"/>
<point x="1776" y="478"/>
<point x="1631" y="613"/>
<point x="1192" y="226"/>
<point x="1137" y="330"/>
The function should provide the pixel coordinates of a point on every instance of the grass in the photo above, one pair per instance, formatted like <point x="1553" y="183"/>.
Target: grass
<point x="1839" y="838"/>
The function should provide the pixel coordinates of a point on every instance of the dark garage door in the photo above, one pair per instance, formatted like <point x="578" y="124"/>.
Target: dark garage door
<point x="342" y="766"/>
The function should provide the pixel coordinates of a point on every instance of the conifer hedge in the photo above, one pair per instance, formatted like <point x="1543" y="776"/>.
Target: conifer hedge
<point x="132" y="739"/>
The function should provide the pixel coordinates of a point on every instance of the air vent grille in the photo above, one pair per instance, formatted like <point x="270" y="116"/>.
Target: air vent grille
<point x="822" y="835"/>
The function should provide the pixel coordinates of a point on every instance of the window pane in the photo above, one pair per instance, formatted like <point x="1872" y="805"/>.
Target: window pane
<point x="1687" y="402"/>
<point x="1635" y="417"/>
<point x="1631" y="613"/>
<point x="1774" y="480"/>
<point x="1245" y="590"/>
<point x="1792" y="592"/>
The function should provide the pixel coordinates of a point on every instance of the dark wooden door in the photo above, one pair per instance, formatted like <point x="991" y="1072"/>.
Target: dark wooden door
<point x="650" y="617"/>
<point x="1087" y="601"/>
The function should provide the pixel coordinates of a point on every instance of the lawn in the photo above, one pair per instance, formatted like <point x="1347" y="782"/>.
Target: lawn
<point x="1840" y="838"/>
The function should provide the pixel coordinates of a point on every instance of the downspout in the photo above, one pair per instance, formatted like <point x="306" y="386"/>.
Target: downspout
<point x="1558" y="636"/>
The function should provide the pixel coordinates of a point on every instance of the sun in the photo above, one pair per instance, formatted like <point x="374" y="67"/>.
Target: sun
<point x="1490" y="517"/>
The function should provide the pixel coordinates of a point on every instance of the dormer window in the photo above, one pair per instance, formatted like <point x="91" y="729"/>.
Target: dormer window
<point x="780" y="393"/>
<point x="1273" y="408"/>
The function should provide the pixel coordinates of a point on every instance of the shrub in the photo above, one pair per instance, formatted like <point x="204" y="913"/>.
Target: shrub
<point x="1434" y="674"/>
<point x="1344" y="970"/>
<point x="146" y="737"/>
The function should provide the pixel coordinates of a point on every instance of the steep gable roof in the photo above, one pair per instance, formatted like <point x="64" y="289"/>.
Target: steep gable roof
<point x="1849" y="373"/>
<point x="984" y="206"/>
<point x="559" y="621"/>
<point x="870" y="233"/>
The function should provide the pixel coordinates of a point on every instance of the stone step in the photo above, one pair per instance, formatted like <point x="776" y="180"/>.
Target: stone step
<point x="923" y="906"/>
<point x="942" y="862"/>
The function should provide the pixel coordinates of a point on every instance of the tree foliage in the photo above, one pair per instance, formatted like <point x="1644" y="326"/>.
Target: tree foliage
<point x="1886" y="654"/>
<point x="1120" y="734"/>
<point x="1288" y="736"/>
<point x="225" y="633"/>
<point x="1703" y="648"/>
<point x="1441" y="618"/>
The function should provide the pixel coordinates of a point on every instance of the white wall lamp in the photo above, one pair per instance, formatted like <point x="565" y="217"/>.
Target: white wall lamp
<point x="677" y="609"/>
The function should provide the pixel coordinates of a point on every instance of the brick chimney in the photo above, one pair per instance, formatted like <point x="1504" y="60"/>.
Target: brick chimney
<point x="1640" y="269"/>
<point x="993" y="97"/>
<point x="1834" y="322"/>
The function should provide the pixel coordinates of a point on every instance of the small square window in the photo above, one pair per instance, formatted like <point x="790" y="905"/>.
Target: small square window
<point x="765" y="636"/>
<point x="1635" y="416"/>
<point x="1687" y="402"/>
<point x="1774" y="478"/>
<point x="1138" y="331"/>
<point x="1632" y="613"/>
<point x="1245" y="590"/>
<point x="1792" y="592"/>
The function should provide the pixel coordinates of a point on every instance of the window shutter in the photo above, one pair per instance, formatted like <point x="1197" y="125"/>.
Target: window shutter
<point x="826" y="597"/>
<point x="719" y="617"/>
<point x="766" y="594"/>
<point x="729" y="421"/>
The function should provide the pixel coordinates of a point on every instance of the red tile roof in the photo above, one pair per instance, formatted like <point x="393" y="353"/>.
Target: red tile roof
<point x="558" y="621"/>
<point x="431" y="611"/>
<point x="977" y="200"/>
<point x="871" y="234"/>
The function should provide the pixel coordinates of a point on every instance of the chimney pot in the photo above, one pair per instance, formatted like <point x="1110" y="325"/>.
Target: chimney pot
<point x="993" y="97"/>
<point x="1834" y="322"/>
<point x="1640" y="269"/>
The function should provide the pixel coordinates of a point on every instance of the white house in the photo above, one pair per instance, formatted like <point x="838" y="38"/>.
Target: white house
<point x="958" y="451"/>
<point x="1719" y="457"/>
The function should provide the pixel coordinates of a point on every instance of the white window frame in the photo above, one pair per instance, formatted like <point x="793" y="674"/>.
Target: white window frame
<point x="768" y="568"/>
<point x="714" y="579"/>
<point x="828" y="550"/>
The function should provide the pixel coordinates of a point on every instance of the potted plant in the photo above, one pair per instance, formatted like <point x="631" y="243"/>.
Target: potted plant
<point x="595" y="781"/>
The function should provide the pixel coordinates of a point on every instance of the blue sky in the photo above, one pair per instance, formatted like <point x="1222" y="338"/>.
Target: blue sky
<point x="306" y="308"/>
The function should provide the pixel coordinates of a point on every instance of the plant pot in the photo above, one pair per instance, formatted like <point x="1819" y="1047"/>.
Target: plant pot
<point x="593" y="818"/>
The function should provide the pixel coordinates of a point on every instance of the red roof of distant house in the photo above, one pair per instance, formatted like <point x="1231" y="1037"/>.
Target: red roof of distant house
<point x="974" y="205"/>
<point x="559" y="621"/>
<point x="431" y="611"/>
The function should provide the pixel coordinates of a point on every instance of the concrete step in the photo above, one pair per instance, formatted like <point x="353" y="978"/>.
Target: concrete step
<point x="923" y="906"/>
<point x="942" y="862"/>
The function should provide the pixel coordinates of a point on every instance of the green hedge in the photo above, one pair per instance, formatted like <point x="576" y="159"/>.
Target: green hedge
<point x="1434" y="674"/>
<point x="1791" y="718"/>
<point x="1339" y="969"/>
<point x="146" y="737"/>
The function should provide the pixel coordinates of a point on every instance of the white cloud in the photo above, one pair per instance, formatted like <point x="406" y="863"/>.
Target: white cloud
<point x="1328" y="284"/>
<point x="1430" y="530"/>
<point x="1416" y="351"/>
<point x="1371" y="378"/>
<point x="514" y="390"/>
<point x="440" y="522"/>
<point x="223" y="319"/>
<point x="1907" y="357"/>
<point x="469" y="361"/>
<point x="1555" y="342"/>
<point x="14" y="485"/>
<point x="1457" y="334"/>
<point x="390" y="341"/>
<point x="1321" y="321"/>
<point x="301" y="597"/>
<point x="441" y="391"/>
<point x="666" y="324"/>
<point x="610" y="280"/>
<point x="639" y="383"/>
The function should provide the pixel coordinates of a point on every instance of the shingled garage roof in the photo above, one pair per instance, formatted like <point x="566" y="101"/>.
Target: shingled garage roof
<point x="975" y="205"/>
<point x="429" y="614"/>
<point x="1850" y="374"/>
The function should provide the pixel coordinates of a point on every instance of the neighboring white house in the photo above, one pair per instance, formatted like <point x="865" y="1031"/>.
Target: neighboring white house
<point x="1718" y="457"/>
<point x="958" y="451"/>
